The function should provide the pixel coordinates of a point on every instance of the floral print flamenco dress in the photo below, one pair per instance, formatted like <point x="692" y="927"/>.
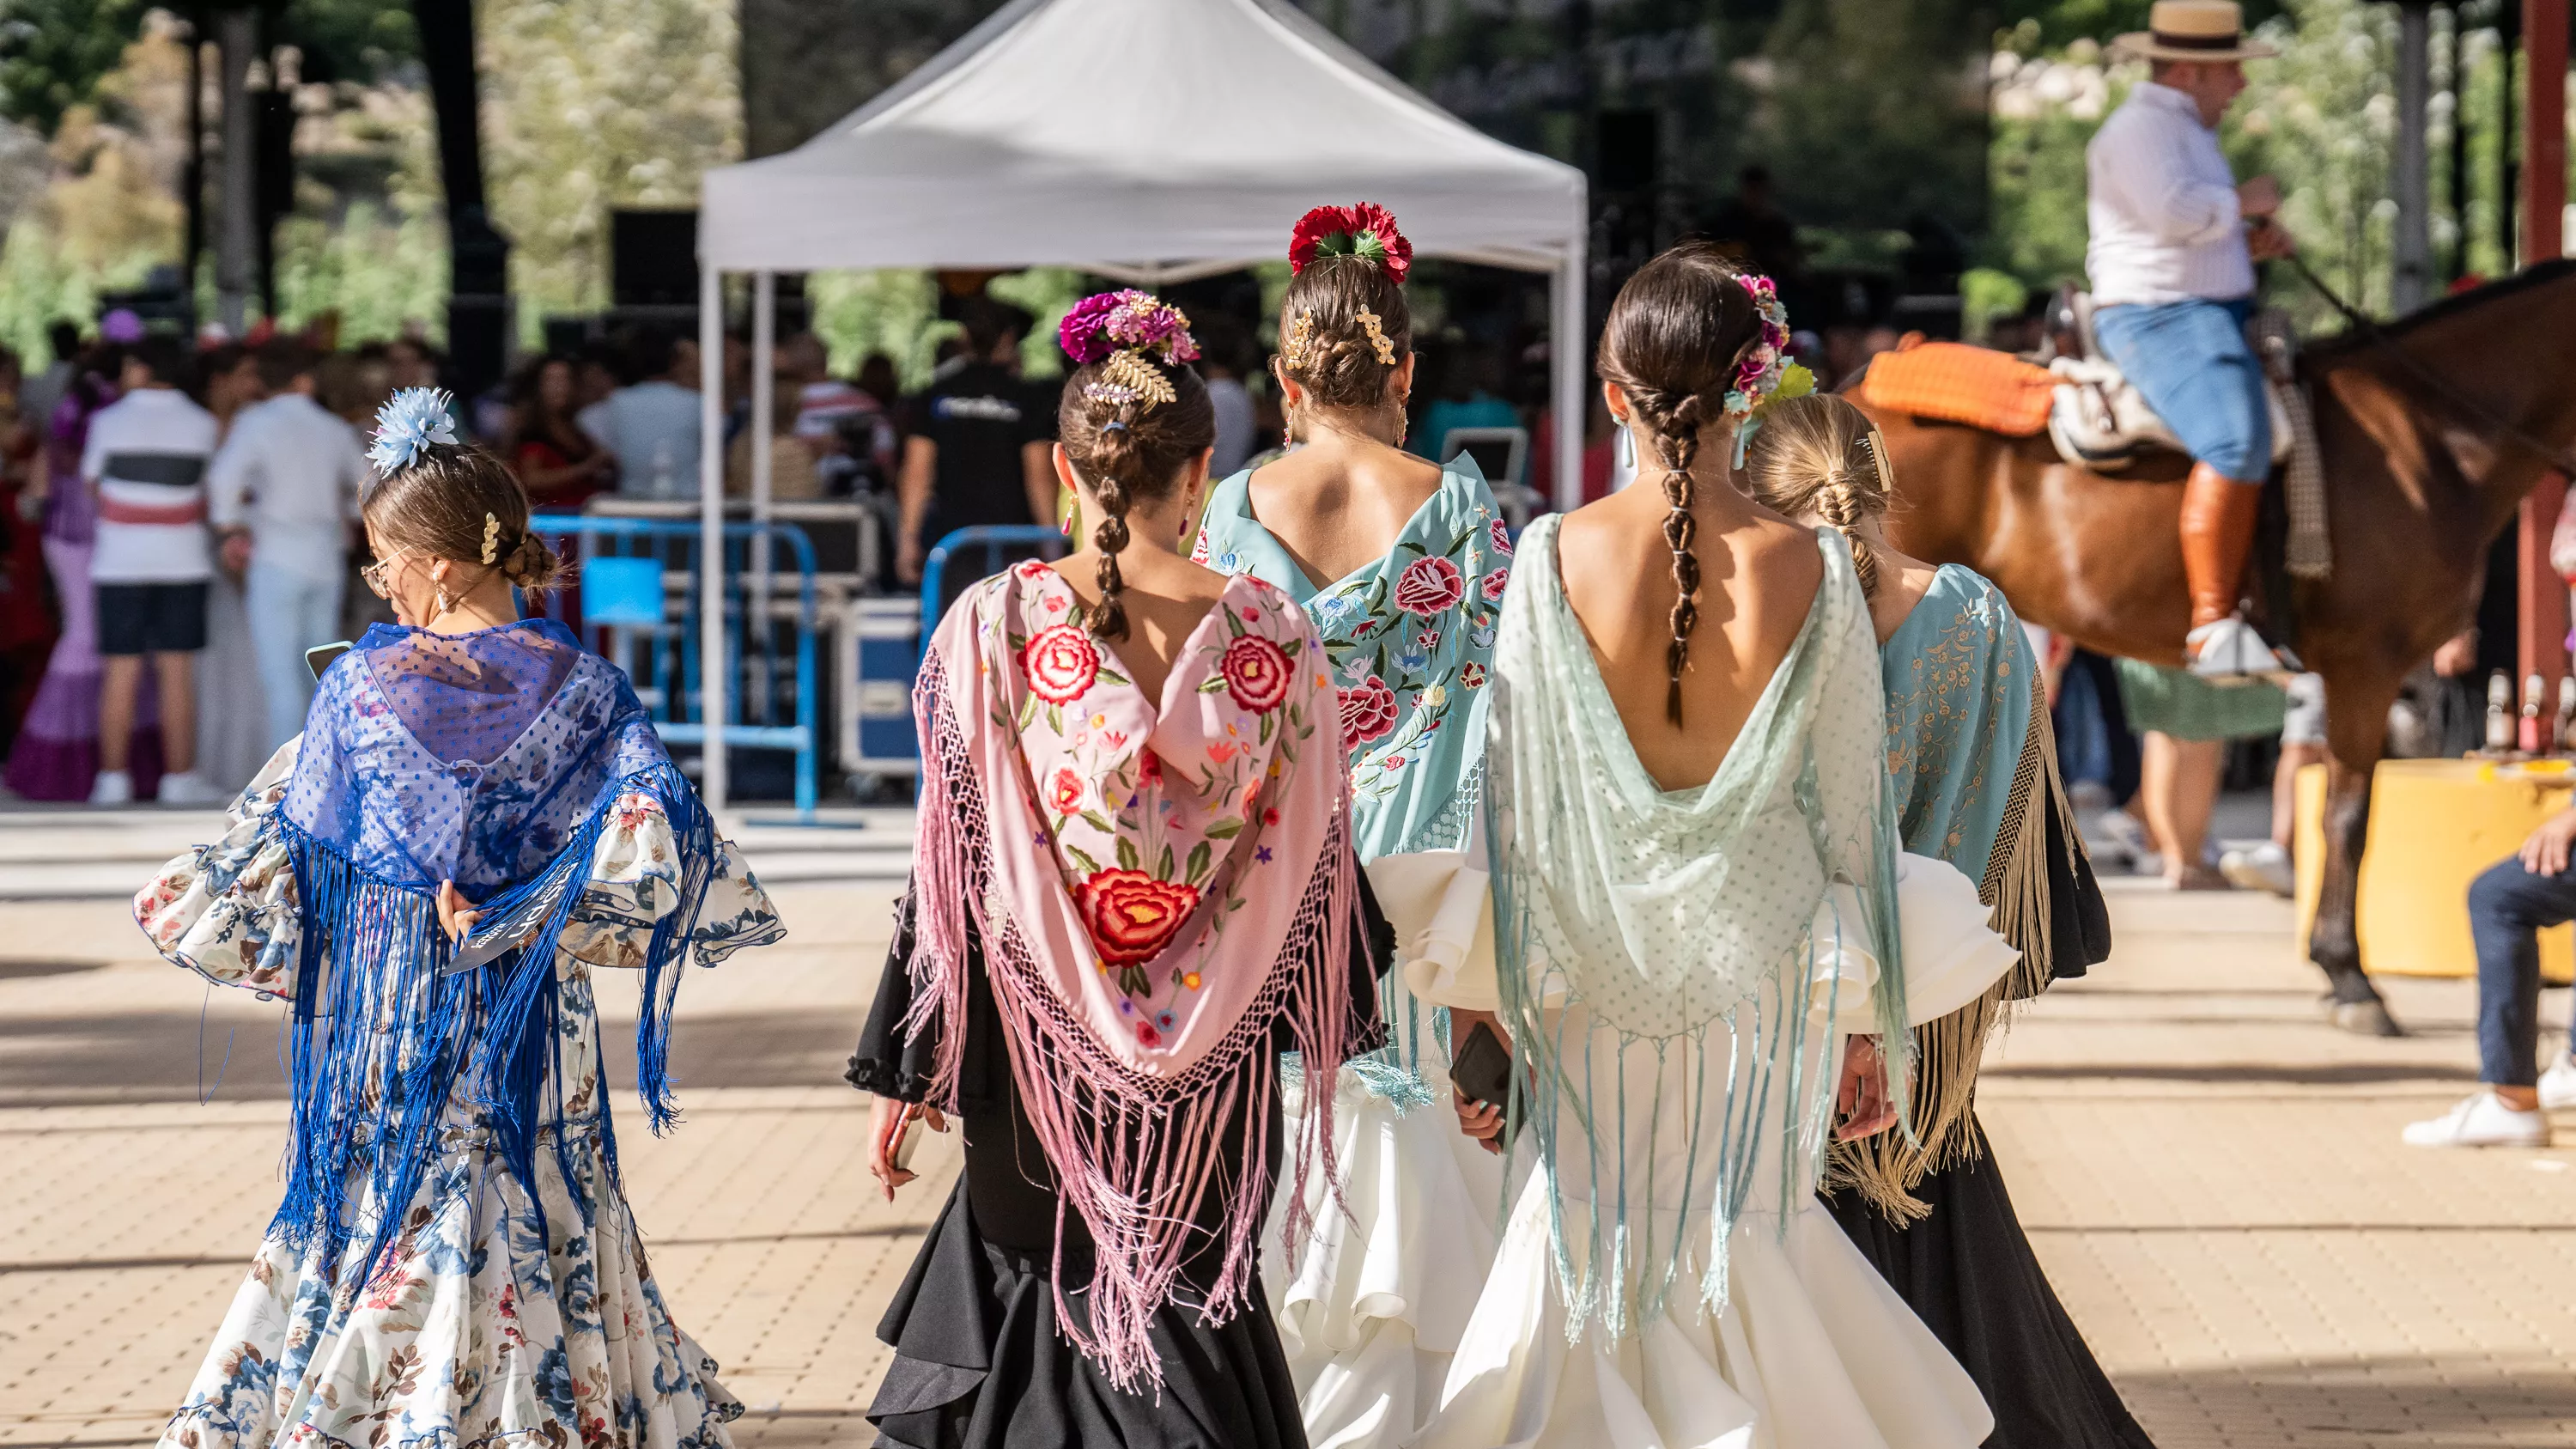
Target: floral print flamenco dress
<point x="454" y="1264"/>
<point x="1374" y="1310"/>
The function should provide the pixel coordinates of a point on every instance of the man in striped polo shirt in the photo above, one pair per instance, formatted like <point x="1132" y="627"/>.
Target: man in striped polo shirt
<point x="146" y="460"/>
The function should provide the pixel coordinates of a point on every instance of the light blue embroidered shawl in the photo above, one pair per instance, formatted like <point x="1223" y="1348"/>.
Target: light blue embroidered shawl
<point x="1411" y="642"/>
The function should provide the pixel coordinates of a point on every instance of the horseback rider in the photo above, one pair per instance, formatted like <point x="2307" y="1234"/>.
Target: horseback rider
<point x="2173" y="244"/>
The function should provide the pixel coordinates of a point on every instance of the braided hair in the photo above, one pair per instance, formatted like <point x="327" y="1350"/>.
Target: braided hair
<point x="1819" y="457"/>
<point x="1130" y="419"/>
<point x="1344" y="328"/>
<point x="1673" y="342"/>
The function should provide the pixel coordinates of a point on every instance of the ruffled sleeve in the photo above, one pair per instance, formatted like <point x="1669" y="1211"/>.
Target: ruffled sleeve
<point x="634" y="882"/>
<point x="228" y="911"/>
<point x="1952" y="955"/>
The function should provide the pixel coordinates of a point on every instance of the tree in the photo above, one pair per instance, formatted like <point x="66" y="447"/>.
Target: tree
<point x="53" y="54"/>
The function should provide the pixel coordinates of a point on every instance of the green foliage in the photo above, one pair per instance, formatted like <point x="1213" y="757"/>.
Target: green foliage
<point x="1986" y="294"/>
<point x="348" y="40"/>
<point x="54" y="53"/>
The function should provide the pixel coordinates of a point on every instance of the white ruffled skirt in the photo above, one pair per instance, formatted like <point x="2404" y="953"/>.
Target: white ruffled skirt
<point x="1381" y="1293"/>
<point x="1811" y="1348"/>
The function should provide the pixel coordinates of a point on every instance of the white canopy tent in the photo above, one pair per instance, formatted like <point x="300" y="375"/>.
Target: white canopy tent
<point x="1149" y="140"/>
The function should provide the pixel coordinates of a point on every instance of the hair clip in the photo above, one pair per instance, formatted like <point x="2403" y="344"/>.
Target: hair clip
<point x="1297" y="349"/>
<point x="1127" y="377"/>
<point x="409" y="422"/>
<point x="1377" y="337"/>
<point x="491" y="538"/>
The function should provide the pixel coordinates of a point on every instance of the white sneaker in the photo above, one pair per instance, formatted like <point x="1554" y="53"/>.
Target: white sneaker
<point x="113" y="787"/>
<point x="2481" y="1120"/>
<point x="2265" y="867"/>
<point x="2230" y="649"/>
<point x="2558" y="1085"/>
<point x="188" y="792"/>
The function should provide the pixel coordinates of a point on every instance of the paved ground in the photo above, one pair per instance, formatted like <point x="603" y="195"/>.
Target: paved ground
<point x="2212" y="1176"/>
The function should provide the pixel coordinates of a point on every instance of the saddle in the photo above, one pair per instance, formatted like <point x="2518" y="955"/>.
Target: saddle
<point x="2099" y="420"/>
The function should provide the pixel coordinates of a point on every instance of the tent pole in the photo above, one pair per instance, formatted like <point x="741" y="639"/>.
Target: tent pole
<point x="711" y="542"/>
<point x="1565" y="365"/>
<point x="764" y="385"/>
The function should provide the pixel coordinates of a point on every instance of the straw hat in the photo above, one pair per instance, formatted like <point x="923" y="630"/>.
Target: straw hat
<point x="2193" y="30"/>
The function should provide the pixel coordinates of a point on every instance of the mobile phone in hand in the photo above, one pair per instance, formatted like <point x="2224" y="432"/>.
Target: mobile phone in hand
<point x="319" y="657"/>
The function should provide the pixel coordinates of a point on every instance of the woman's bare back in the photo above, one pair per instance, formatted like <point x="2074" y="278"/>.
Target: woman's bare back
<point x="1338" y="509"/>
<point x="1758" y="578"/>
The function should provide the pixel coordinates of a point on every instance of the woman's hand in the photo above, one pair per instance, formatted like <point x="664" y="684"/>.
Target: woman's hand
<point x="1480" y="1120"/>
<point x="1861" y="1099"/>
<point x="891" y="1120"/>
<point x="456" y="915"/>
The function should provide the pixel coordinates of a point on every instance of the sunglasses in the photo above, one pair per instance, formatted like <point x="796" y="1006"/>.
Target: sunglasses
<point x="374" y="574"/>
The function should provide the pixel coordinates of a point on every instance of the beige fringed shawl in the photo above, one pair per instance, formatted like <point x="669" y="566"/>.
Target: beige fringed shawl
<point x="1973" y="765"/>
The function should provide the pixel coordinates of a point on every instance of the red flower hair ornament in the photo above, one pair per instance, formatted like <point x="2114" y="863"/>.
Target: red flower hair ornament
<point x="1365" y="230"/>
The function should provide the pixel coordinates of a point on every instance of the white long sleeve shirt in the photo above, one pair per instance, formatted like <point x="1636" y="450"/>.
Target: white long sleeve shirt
<point x="2161" y="206"/>
<point x="292" y="472"/>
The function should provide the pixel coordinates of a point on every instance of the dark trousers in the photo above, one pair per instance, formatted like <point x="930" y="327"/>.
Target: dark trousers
<point x="2508" y="906"/>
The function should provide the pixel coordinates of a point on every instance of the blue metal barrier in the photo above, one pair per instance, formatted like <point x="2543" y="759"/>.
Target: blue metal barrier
<point x="992" y="540"/>
<point x="767" y="706"/>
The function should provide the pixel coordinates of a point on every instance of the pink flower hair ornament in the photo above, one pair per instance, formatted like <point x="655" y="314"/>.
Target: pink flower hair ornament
<point x="1364" y="230"/>
<point x="1137" y="335"/>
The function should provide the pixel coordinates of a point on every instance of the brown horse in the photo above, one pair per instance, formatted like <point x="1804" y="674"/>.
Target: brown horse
<point x="2417" y="485"/>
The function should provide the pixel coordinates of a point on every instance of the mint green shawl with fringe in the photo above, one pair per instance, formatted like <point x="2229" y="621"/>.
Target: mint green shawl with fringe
<point x="1687" y="923"/>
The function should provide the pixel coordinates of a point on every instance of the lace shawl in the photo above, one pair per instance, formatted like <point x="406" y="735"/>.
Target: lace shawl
<point x="1158" y="886"/>
<point x="492" y="759"/>
<point x="1973" y="765"/>
<point x="1680" y="922"/>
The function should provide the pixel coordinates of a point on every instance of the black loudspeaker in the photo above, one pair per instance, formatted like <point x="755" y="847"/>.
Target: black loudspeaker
<point x="653" y="257"/>
<point x="1627" y="147"/>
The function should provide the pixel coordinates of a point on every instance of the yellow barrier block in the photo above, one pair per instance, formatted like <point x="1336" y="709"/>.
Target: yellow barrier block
<point x="2435" y="826"/>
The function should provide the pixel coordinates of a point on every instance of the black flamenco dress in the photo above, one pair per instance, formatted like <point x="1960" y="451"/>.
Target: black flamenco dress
<point x="979" y="1361"/>
<point x="1967" y="1269"/>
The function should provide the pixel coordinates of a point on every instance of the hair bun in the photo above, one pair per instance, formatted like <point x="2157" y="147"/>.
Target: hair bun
<point x="532" y="566"/>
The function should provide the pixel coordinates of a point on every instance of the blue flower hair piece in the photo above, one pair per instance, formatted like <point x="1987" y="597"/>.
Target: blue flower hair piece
<point x="407" y="424"/>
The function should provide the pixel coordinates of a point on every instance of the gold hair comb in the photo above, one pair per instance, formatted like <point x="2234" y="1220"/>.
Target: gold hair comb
<point x="1128" y="377"/>
<point x="1377" y="337"/>
<point x="1297" y="349"/>
<point x="491" y="538"/>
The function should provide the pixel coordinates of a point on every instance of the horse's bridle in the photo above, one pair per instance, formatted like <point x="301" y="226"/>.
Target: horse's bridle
<point x="2369" y="330"/>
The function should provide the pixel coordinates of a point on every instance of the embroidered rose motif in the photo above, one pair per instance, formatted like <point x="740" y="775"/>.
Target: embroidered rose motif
<point x="1501" y="538"/>
<point x="1494" y="584"/>
<point x="1429" y="585"/>
<point x="1368" y="708"/>
<point x="1149" y="771"/>
<point x="1256" y="673"/>
<point x="1199" y="550"/>
<point x="1031" y="569"/>
<point x="1061" y="662"/>
<point x="1130" y="914"/>
<point x="1472" y="675"/>
<point x="1065" y="792"/>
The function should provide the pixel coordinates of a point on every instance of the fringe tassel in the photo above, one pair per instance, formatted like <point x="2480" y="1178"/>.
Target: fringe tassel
<point x="1887" y="1168"/>
<point x="1136" y="1160"/>
<point x="389" y="1035"/>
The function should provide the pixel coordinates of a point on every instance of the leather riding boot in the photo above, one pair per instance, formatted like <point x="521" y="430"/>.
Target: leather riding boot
<point x="2218" y="515"/>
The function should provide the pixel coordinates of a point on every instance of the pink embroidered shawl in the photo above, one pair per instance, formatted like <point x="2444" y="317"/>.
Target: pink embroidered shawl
<point x="1156" y="889"/>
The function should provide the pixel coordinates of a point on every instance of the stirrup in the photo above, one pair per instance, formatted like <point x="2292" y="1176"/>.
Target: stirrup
<point x="2229" y="650"/>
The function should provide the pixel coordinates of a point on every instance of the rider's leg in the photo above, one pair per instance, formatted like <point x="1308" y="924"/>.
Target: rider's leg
<point x="2218" y="514"/>
<point x="2191" y="363"/>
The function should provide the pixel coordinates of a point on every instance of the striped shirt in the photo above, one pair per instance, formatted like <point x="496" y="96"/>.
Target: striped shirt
<point x="147" y="454"/>
<point x="2161" y="206"/>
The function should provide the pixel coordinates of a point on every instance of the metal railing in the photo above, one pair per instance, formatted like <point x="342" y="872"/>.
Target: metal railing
<point x="993" y="540"/>
<point x="648" y="616"/>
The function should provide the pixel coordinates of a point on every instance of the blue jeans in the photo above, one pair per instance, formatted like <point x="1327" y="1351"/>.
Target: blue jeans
<point x="2190" y="362"/>
<point x="2508" y="906"/>
<point x="289" y="613"/>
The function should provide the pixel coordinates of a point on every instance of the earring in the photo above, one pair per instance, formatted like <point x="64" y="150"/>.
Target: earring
<point x="1627" y="447"/>
<point x="443" y="603"/>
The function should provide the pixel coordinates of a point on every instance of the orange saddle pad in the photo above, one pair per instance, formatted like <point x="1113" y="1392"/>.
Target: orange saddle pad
<point x="1957" y="383"/>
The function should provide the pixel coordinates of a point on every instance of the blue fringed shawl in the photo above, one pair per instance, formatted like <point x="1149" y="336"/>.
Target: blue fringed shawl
<point x="495" y="760"/>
